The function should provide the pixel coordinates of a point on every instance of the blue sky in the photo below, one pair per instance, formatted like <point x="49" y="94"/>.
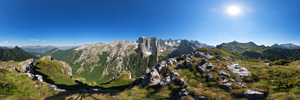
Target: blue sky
<point x="78" y="22"/>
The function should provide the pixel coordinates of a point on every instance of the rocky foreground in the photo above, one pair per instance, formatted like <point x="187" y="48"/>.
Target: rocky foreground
<point x="165" y="73"/>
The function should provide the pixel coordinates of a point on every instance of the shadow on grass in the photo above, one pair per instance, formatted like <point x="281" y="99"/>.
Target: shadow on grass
<point x="74" y="89"/>
<point x="84" y="95"/>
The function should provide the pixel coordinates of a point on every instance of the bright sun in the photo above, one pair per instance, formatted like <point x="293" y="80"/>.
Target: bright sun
<point x="233" y="10"/>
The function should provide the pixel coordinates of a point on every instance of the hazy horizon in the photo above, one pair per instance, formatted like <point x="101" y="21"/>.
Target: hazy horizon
<point x="76" y="22"/>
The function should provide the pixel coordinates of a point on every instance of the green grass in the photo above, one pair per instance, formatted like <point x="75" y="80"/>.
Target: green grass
<point x="20" y="86"/>
<point x="52" y="68"/>
<point x="122" y="80"/>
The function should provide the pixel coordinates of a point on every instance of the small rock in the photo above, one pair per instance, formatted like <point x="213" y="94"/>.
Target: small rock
<point x="199" y="97"/>
<point x="210" y="66"/>
<point x="30" y="75"/>
<point x="183" y="92"/>
<point x="182" y="81"/>
<point x="251" y="94"/>
<point x="226" y="86"/>
<point x="209" y="77"/>
<point x="241" y="84"/>
<point x="39" y="77"/>
<point x="224" y="75"/>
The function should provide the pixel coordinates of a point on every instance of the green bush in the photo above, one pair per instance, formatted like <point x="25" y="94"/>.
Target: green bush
<point x="281" y="62"/>
<point x="284" y="78"/>
<point x="255" y="60"/>
<point x="266" y="61"/>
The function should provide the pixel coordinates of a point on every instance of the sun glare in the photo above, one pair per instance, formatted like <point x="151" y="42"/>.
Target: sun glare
<point x="233" y="10"/>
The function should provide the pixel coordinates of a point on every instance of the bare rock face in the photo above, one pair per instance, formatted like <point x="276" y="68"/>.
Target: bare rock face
<point x="28" y="66"/>
<point x="251" y="94"/>
<point x="68" y="68"/>
<point x="152" y="78"/>
<point x="150" y="45"/>
<point x="239" y="71"/>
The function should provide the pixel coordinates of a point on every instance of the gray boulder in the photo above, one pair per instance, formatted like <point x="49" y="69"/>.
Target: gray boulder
<point x="151" y="78"/>
<point x="165" y="81"/>
<point x="162" y="67"/>
<point x="169" y="79"/>
<point x="251" y="94"/>
<point x="183" y="92"/>
<point x="239" y="71"/>
<point x="28" y="66"/>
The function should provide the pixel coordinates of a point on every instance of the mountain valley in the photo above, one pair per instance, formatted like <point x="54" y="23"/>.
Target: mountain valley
<point x="151" y="68"/>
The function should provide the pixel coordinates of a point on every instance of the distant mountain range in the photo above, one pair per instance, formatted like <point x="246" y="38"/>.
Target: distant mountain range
<point x="250" y="50"/>
<point x="16" y="54"/>
<point x="287" y="46"/>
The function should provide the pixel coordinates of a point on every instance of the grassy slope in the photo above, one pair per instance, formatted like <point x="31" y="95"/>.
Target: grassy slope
<point x="52" y="68"/>
<point x="15" y="85"/>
